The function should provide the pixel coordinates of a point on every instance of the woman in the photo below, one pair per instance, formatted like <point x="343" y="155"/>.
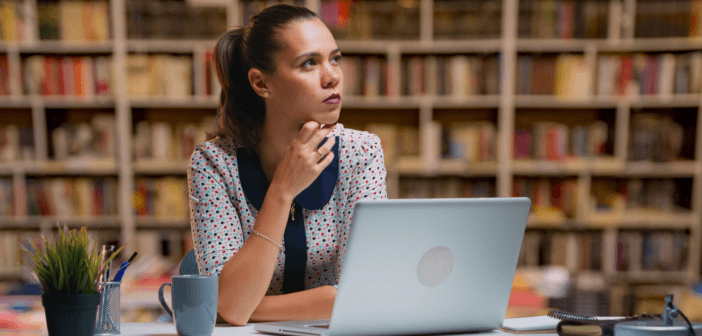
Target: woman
<point x="271" y="197"/>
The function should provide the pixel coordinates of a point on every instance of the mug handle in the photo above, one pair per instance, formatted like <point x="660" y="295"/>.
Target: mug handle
<point x="163" y="302"/>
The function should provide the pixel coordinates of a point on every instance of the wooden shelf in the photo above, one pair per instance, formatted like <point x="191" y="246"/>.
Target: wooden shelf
<point x="156" y="222"/>
<point x="169" y="46"/>
<point x="669" y="44"/>
<point x="420" y="47"/>
<point x="554" y="102"/>
<point x="160" y="167"/>
<point x="15" y="102"/>
<point x="77" y="221"/>
<point x="658" y="277"/>
<point x="75" y="101"/>
<point x="173" y="102"/>
<point x="60" y="47"/>
<point x="29" y="223"/>
<point x="643" y="219"/>
<point x="88" y="166"/>
<point x="570" y="166"/>
<point x="459" y="167"/>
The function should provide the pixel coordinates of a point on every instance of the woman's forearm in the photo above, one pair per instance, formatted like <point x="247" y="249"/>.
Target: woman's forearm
<point x="311" y="304"/>
<point x="246" y="276"/>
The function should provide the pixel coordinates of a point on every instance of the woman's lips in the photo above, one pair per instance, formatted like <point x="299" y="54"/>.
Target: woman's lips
<point x="333" y="99"/>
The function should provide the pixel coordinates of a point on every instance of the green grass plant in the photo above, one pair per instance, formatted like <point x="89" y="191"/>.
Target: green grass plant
<point x="68" y="267"/>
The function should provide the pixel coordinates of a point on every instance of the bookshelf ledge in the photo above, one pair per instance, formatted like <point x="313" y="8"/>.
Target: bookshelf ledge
<point x="177" y="102"/>
<point x="648" y="219"/>
<point x="74" y="166"/>
<point x="153" y="166"/>
<point x="66" y="47"/>
<point x="170" y="222"/>
<point x="169" y="46"/>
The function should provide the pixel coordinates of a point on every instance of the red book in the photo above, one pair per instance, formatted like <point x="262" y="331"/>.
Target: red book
<point x="557" y="195"/>
<point x="625" y="78"/>
<point x="208" y="72"/>
<point x="61" y="78"/>
<point x="651" y="75"/>
<point x="78" y="76"/>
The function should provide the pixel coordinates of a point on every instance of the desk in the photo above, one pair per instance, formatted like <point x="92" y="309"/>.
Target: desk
<point x="168" y="329"/>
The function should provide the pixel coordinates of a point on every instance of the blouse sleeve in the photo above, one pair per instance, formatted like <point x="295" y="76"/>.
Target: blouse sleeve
<point x="214" y="222"/>
<point x="367" y="181"/>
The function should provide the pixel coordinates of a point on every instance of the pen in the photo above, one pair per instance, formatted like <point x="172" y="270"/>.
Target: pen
<point x="101" y="278"/>
<point x="123" y="267"/>
<point x="109" y="264"/>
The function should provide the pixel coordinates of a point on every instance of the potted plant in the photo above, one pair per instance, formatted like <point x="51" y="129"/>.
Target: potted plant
<point x="68" y="274"/>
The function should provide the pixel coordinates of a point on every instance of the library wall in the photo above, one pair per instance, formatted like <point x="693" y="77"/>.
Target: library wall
<point x="588" y="107"/>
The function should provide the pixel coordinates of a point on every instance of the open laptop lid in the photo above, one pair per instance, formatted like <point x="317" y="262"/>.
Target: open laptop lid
<point x="429" y="266"/>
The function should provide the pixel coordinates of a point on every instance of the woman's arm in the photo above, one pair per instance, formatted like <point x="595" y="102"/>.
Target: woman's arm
<point x="245" y="277"/>
<point x="311" y="304"/>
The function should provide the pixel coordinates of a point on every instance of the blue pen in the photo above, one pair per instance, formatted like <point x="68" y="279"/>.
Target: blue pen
<point x="123" y="267"/>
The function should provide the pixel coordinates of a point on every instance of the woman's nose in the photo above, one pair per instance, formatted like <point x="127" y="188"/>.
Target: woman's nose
<point x="332" y="76"/>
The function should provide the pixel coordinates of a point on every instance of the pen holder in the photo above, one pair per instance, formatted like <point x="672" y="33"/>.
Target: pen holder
<point x="107" y="322"/>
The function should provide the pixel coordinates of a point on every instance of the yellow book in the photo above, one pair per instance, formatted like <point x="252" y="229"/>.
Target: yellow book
<point x="8" y="21"/>
<point x="71" y="21"/>
<point x="138" y="78"/>
<point x="100" y="21"/>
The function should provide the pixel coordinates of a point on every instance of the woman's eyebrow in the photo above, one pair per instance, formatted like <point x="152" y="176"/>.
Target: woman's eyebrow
<point x="315" y="54"/>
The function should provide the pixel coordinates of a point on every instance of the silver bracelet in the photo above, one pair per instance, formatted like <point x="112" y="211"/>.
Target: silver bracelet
<point x="270" y="240"/>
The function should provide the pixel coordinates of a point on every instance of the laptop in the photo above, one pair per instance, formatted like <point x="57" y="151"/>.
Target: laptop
<point x="423" y="266"/>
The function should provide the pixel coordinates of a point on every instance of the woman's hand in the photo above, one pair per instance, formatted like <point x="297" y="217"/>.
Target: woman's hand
<point x="303" y="162"/>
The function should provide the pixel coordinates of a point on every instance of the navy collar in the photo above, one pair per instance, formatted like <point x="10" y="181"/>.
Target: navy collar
<point x="255" y="184"/>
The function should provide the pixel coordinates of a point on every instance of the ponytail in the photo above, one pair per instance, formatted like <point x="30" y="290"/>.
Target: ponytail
<point x="236" y="52"/>
<point x="243" y="111"/>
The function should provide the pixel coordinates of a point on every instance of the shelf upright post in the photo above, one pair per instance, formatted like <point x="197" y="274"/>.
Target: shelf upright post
<point x="15" y="70"/>
<point x="123" y="114"/>
<point x="614" y="24"/>
<point x="31" y="22"/>
<point x="426" y="21"/>
<point x="199" y="71"/>
<point x="19" y="185"/>
<point x="313" y="5"/>
<point x="429" y="137"/>
<point x="41" y="142"/>
<point x="629" y="20"/>
<point x="233" y="14"/>
<point x="696" y="229"/>
<point x="622" y="125"/>
<point x="394" y="65"/>
<point x="609" y="251"/>
<point x="506" y="114"/>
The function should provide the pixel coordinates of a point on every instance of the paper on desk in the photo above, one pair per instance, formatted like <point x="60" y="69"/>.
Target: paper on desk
<point x="531" y="323"/>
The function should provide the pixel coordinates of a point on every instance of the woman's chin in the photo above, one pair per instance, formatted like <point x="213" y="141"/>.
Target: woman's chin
<point x="327" y="118"/>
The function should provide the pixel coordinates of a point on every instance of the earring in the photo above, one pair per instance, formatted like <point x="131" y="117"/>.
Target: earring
<point x="266" y="94"/>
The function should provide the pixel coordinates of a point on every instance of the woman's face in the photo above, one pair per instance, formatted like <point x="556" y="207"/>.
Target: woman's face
<point x="307" y="83"/>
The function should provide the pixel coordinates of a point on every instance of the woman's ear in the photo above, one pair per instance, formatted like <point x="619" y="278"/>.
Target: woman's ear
<point x="257" y="81"/>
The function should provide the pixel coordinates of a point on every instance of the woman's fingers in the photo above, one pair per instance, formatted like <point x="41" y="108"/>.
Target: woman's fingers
<point x="326" y="147"/>
<point x="317" y="138"/>
<point x="307" y="131"/>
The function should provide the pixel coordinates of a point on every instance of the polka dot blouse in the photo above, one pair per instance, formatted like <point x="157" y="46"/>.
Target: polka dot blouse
<point x="223" y="211"/>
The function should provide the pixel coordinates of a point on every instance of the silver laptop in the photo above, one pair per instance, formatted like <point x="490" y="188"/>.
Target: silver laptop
<point x="421" y="266"/>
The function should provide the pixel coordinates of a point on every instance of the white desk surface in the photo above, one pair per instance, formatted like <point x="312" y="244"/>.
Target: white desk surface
<point x="168" y="329"/>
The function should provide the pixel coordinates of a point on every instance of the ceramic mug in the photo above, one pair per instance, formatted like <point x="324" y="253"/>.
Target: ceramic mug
<point x="194" y="299"/>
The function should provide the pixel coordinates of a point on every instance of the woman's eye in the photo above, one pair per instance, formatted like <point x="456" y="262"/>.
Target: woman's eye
<point x="336" y="59"/>
<point x="308" y="63"/>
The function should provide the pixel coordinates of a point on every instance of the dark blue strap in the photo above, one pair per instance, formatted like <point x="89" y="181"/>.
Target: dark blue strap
<point x="295" y="253"/>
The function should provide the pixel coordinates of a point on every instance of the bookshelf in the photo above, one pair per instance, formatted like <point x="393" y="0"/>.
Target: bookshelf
<point x="401" y="59"/>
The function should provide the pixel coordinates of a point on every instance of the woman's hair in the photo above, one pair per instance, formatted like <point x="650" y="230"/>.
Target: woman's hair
<point x="239" y="50"/>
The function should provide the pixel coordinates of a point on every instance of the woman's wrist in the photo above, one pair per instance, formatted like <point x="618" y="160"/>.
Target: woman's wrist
<point x="280" y="193"/>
